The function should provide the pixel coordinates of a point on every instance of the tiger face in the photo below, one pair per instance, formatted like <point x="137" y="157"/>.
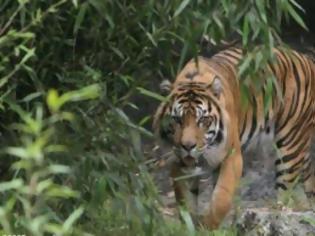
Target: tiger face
<point x="191" y="121"/>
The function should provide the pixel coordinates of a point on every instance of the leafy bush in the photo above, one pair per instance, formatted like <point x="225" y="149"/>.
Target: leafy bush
<point x="72" y="160"/>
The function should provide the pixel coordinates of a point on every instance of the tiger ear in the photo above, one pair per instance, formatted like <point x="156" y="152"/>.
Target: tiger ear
<point x="216" y="86"/>
<point x="166" y="86"/>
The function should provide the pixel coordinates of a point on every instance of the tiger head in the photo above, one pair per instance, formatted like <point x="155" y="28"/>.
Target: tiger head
<point x="192" y="119"/>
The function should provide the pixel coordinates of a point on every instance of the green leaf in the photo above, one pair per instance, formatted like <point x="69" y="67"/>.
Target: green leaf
<point x="136" y="141"/>
<point x="43" y="185"/>
<point x="61" y="191"/>
<point x="268" y="94"/>
<point x="189" y="176"/>
<point x="188" y="221"/>
<point x="75" y="3"/>
<point x="152" y="94"/>
<point x="13" y="184"/>
<point x="35" y="225"/>
<point x="31" y="96"/>
<point x="309" y="220"/>
<point x="53" y="100"/>
<point x="244" y="96"/>
<point x="144" y="120"/>
<point x="245" y="31"/>
<point x="219" y="23"/>
<point x="261" y="10"/>
<point x="245" y="64"/>
<point x="297" y="5"/>
<point x="18" y="152"/>
<point x="80" y="17"/>
<point x="181" y="7"/>
<point x="29" y="53"/>
<point x="85" y="93"/>
<point x="68" y="224"/>
<point x="59" y="169"/>
<point x="296" y="17"/>
<point x="183" y="55"/>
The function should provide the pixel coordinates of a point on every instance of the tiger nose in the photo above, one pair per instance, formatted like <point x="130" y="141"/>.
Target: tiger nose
<point x="188" y="146"/>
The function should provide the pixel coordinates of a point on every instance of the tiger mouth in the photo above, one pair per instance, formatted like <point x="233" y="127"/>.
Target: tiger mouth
<point x="189" y="161"/>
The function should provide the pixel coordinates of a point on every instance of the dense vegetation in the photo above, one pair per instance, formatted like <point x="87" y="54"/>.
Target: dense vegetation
<point x="71" y="157"/>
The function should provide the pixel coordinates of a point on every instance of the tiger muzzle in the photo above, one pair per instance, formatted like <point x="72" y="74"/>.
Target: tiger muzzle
<point x="188" y="154"/>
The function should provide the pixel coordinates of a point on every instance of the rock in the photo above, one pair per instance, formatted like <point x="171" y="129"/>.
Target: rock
<point x="268" y="222"/>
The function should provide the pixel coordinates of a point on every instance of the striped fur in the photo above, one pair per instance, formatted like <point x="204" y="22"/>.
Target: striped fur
<point x="204" y="119"/>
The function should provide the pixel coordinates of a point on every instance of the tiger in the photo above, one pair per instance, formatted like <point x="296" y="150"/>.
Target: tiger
<point x="203" y="118"/>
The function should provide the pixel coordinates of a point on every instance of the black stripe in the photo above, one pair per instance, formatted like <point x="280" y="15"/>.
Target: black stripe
<point x="305" y="178"/>
<point x="295" y="103"/>
<point x="291" y="169"/>
<point x="209" y="106"/>
<point x="183" y="100"/>
<point x="300" y="138"/>
<point x="296" y="128"/>
<point x="307" y="161"/>
<point x="306" y="94"/>
<point x="253" y="124"/>
<point x="307" y="169"/>
<point x="282" y="186"/>
<point x="223" y="57"/>
<point x="165" y="106"/>
<point x="273" y="69"/>
<point x="291" y="156"/>
<point x="302" y="127"/>
<point x="236" y="50"/>
<point x="197" y="101"/>
<point x="195" y="191"/>
<point x="308" y="79"/>
<point x="284" y="79"/>
<point x="302" y="63"/>
<point x="284" y="72"/>
<point x="244" y="126"/>
<point x="292" y="179"/>
<point x="298" y="84"/>
<point x="229" y="54"/>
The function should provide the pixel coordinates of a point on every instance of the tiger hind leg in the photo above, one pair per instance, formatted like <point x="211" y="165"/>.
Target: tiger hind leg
<point x="294" y="163"/>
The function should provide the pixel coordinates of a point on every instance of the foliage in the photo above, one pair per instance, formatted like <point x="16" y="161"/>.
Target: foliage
<point x="35" y="190"/>
<point x="69" y="70"/>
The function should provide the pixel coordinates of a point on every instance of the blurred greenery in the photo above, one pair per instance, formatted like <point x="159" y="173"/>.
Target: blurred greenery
<point x="71" y="157"/>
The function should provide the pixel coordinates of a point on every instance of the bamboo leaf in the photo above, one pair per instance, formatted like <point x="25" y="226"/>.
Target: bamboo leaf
<point x="67" y="225"/>
<point x="13" y="184"/>
<point x="80" y="17"/>
<point x="296" y="17"/>
<point x="181" y="7"/>
<point x="151" y="94"/>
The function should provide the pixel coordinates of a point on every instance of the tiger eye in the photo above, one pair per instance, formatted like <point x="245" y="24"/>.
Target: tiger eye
<point x="177" y="119"/>
<point x="206" y="120"/>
